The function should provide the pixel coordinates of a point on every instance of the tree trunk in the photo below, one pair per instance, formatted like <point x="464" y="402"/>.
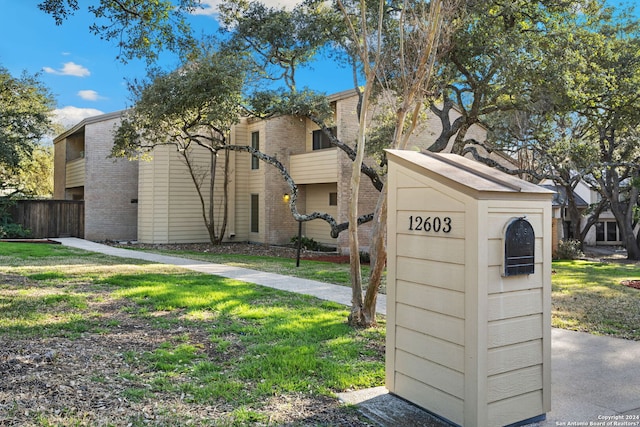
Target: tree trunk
<point x="378" y="255"/>
<point x="357" y="316"/>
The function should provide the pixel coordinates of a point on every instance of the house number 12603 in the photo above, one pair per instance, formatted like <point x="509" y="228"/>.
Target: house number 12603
<point x="434" y="224"/>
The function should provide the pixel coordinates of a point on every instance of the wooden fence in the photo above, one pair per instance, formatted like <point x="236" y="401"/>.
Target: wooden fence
<point x="51" y="218"/>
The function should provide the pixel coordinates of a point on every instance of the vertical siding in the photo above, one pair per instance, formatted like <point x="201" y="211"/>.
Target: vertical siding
<point x="255" y="184"/>
<point x="242" y="167"/>
<point x="59" y="169"/>
<point x="153" y="199"/>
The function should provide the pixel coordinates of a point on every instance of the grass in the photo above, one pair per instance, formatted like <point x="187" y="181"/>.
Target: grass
<point x="234" y="344"/>
<point x="243" y="344"/>
<point x="589" y="297"/>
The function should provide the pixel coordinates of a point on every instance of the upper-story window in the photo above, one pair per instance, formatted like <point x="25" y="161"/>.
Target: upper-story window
<point x="255" y="144"/>
<point x="321" y="140"/>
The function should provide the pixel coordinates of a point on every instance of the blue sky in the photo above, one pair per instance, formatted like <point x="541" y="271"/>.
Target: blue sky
<point x="81" y="69"/>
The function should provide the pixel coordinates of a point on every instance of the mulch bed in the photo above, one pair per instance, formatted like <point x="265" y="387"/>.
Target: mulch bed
<point x="631" y="283"/>
<point x="247" y="249"/>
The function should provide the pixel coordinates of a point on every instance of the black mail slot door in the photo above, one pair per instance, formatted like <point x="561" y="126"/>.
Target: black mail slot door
<point x="519" y="248"/>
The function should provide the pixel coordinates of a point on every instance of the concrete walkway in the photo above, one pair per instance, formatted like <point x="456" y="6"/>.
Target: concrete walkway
<point x="321" y="290"/>
<point x="593" y="378"/>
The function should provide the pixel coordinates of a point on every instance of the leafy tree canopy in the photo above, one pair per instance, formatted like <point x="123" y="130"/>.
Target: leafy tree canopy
<point x="25" y="116"/>
<point x="202" y="99"/>
<point x="142" y="29"/>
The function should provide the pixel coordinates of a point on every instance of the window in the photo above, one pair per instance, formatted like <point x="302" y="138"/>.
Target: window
<point x="607" y="231"/>
<point x="612" y="231"/>
<point x="600" y="232"/>
<point x="255" y="213"/>
<point x="333" y="199"/>
<point x="321" y="140"/>
<point x="255" y="144"/>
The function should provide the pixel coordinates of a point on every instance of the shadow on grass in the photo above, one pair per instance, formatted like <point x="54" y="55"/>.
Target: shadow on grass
<point x="272" y="341"/>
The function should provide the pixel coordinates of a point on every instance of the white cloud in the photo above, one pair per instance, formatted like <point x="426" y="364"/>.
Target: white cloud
<point x="89" y="95"/>
<point x="210" y="7"/>
<point x="69" y="69"/>
<point x="70" y="116"/>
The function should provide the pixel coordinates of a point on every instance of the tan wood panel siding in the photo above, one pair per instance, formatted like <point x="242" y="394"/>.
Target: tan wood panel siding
<point x="512" y="331"/>
<point x="242" y="196"/>
<point x="315" y="168"/>
<point x="430" y="398"/>
<point x="75" y="173"/>
<point x="517" y="356"/>
<point x="514" y="304"/>
<point x="317" y="200"/>
<point x="514" y="383"/>
<point x="425" y="371"/>
<point x="497" y="283"/>
<point x="426" y="199"/>
<point x="430" y="298"/>
<point x="437" y="325"/>
<point x="186" y="222"/>
<point x="436" y="248"/>
<point x="153" y="198"/>
<point x="430" y="348"/>
<point x="520" y="407"/>
<point x="257" y="183"/>
<point x="442" y="275"/>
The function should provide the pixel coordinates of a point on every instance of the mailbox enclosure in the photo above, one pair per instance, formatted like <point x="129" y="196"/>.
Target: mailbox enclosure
<point x="464" y="341"/>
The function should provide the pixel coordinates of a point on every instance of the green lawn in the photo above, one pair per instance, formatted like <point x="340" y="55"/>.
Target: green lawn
<point x="199" y="345"/>
<point x="588" y="296"/>
<point x="241" y="345"/>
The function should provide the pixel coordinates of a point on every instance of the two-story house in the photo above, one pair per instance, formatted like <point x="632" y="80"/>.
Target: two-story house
<point x="154" y="201"/>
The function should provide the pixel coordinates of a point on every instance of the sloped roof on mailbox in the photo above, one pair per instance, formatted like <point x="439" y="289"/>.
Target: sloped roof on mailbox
<point x="470" y="174"/>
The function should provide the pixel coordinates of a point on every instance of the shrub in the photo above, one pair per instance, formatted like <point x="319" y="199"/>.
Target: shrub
<point x="9" y="229"/>
<point x="569" y="249"/>
<point x="307" y="242"/>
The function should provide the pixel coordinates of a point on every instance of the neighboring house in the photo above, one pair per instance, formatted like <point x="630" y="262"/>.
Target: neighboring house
<point x="605" y="231"/>
<point x="154" y="201"/>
